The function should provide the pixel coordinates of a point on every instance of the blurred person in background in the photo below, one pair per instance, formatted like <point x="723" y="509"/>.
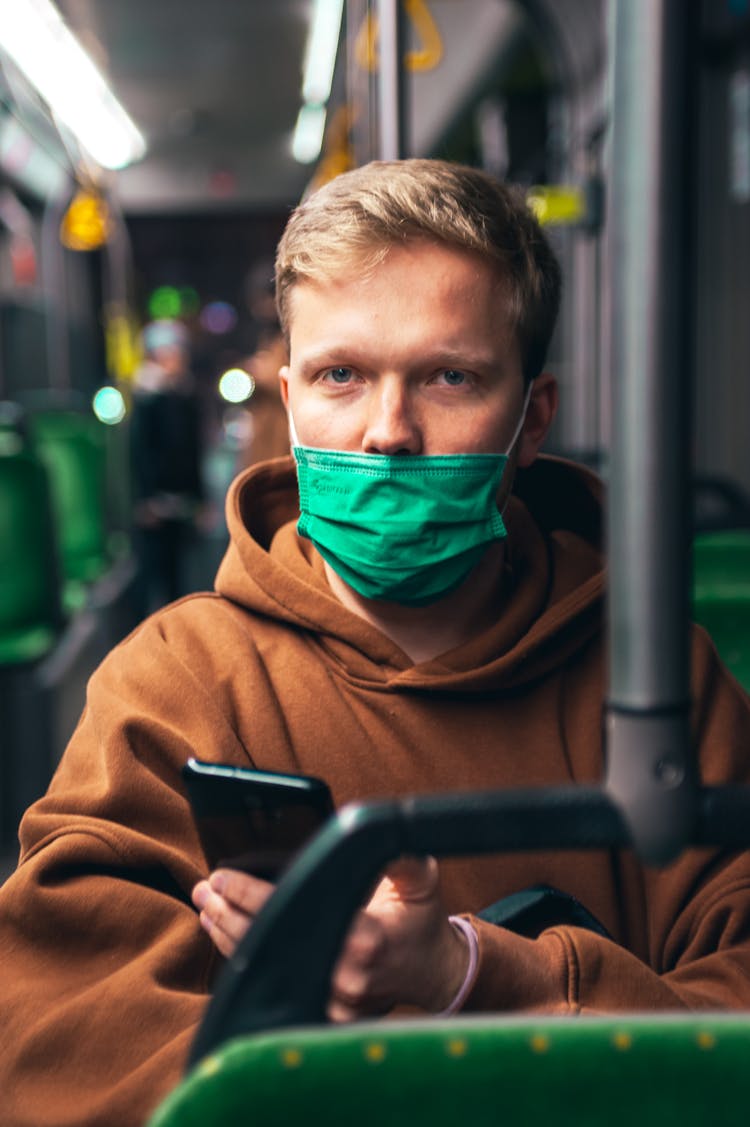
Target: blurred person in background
<point x="267" y="433"/>
<point x="166" y="451"/>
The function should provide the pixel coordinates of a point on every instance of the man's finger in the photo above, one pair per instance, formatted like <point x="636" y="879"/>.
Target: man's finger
<point x="222" y="915"/>
<point x="246" y="892"/>
<point x="339" y="1013"/>
<point x="219" y="938"/>
<point x="413" y="878"/>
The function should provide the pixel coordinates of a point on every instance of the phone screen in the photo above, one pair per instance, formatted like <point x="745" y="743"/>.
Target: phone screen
<point x="254" y="820"/>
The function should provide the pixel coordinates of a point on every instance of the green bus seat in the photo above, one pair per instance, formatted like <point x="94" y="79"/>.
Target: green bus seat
<point x="721" y="563"/>
<point x="29" y="607"/>
<point x="73" y="447"/>
<point x="726" y="617"/>
<point x="478" y="1071"/>
<point x="45" y="661"/>
<point x="30" y="626"/>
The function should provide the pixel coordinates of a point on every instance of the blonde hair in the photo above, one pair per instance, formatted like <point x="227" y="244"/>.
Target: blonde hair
<point x="356" y="217"/>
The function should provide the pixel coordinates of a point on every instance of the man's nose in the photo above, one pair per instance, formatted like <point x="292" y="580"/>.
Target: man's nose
<point x="391" y="424"/>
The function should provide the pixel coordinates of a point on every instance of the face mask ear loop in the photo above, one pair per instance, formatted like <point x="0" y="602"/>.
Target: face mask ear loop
<point x="292" y="428"/>
<point x="516" y="436"/>
<point x="522" y="420"/>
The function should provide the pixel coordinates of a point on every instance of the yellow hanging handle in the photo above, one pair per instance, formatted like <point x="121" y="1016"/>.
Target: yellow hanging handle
<point x="426" y="58"/>
<point x="557" y="204"/>
<point x="86" y="224"/>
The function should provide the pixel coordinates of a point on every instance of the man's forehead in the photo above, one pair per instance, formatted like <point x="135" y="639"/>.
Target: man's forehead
<point x="358" y="268"/>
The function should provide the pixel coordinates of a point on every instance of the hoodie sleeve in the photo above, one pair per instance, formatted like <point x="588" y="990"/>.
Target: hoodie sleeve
<point x="105" y="969"/>
<point x="697" y="910"/>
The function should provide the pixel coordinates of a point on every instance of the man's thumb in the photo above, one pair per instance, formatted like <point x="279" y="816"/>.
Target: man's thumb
<point x="413" y="878"/>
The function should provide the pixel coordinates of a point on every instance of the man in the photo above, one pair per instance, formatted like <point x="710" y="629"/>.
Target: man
<point x="165" y="458"/>
<point x="398" y="642"/>
<point x="266" y="434"/>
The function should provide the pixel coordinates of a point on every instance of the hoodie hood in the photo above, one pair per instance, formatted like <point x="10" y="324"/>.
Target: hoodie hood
<point x="553" y="582"/>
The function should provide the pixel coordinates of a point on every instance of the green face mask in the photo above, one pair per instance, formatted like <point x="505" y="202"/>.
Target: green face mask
<point x="408" y="528"/>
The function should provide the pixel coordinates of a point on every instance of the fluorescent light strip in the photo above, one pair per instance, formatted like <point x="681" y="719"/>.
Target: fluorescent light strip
<point x="320" y="60"/>
<point x="53" y="60"/>
<point x="308" y="133"/>
<point x="320" y="56"/>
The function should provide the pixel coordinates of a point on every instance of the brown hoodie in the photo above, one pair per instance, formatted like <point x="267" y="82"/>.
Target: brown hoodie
<point x="105" y="969"/>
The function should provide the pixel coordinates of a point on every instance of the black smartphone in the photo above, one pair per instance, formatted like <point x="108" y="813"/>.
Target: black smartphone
<point x="254" y="820"/>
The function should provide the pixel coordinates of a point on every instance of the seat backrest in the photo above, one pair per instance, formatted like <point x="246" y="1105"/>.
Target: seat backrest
<point x="73" y="448"/>
<point x="484" y="1071"/>
<point x="721" y="562"/>
<point x="726" y="617"/>
<point x="29" y="599"/>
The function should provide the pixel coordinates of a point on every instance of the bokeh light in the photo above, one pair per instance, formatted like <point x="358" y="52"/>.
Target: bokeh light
<point x="236" y="385"/>
<point x="164" y="303"/>
<point x="218" y="317"/>
<point x="190" y="302"/>
<point x="109" y="406"/>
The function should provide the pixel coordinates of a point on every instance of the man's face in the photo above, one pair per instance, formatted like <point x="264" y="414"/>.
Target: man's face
<point x="172" y="360"/>
<point x="416" y="357"/>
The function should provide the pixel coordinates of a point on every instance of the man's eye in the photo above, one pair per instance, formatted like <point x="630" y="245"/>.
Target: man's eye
<point x="453" y="377"/>
<point x="338" y="375"/>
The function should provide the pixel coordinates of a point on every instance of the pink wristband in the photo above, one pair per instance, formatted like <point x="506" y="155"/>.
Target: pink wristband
<point x="468" y="931"/>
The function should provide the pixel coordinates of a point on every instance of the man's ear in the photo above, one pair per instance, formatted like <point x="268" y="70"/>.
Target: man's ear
<point x="284" y="385"/>
<point x="540" y="414"/>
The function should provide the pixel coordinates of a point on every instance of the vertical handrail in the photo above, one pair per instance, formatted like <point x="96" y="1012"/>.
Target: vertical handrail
<point x="391" y="84"/>
<point x="57" y="330"/>
<point x="650" y="769"/>
<point x="361" y="81"/>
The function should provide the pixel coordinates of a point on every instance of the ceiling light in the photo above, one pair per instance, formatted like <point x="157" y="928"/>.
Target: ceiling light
<point x="53" y="60"/>
<point x="320" y="60"/>
<point x="308" y="133"/>
<point x="322" y="45"/>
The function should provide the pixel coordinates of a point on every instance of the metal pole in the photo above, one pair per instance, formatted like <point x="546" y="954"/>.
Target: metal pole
<point x="391" y="87"/>
<point x="650" y="770"/>
<point x="57" y="328"/>
<point x="358" y="81"/>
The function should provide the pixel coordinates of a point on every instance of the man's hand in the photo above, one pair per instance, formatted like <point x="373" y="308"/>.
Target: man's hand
<point x="401" y="949"/>
<point x="228" y="903"/>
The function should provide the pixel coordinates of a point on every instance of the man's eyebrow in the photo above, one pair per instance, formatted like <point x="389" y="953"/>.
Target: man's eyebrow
<point x="333" y="355"/>
<point x="436" y="356"/>
<point x="461" y="358"/>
